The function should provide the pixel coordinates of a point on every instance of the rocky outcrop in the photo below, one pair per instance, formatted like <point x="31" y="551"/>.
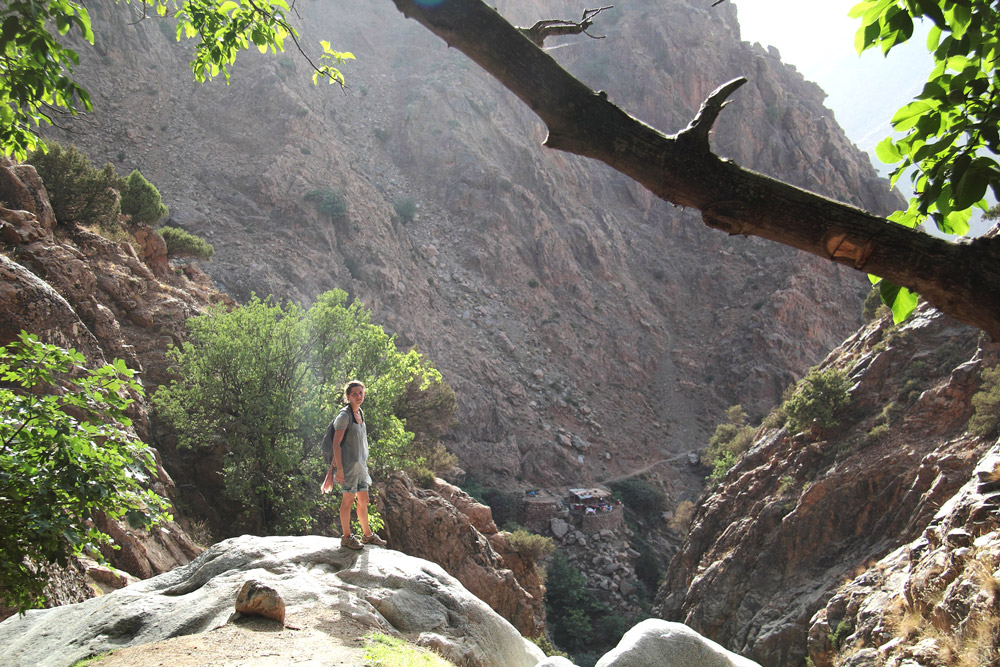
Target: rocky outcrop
<point x="378" y="589"/>
<point x="446" y="526"/>
<point x="930" y="602"/>
<point x="801" y="512"/>
<point x="656" y="642"/>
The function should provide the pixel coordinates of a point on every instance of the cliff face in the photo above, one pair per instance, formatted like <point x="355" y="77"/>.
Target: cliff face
<point x="800" y="514"/>
<point x="545" y="287"/>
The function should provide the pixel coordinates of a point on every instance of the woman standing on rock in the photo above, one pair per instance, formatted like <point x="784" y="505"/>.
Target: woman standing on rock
<point x="348" y="434"/>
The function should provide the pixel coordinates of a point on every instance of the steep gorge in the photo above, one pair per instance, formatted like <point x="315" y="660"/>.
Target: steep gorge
<point x="546" y="288"/>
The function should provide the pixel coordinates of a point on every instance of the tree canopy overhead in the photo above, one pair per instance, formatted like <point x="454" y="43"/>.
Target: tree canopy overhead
<point x="36" y="68"/>
<point x="952" y="128"/>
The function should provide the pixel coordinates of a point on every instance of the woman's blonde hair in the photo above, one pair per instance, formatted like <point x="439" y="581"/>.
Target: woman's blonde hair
<point x="349" y="386"/>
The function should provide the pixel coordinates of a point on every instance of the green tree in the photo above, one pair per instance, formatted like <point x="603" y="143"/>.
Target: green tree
<point x="36" y="67"/>
<point x="141" y="200"/>
<point x="260" y="383"/>
<point x="67" y="455"/>
<point x="731" y="438"/>
<point x="185" y="244"/>
<point x="78" y="191"/>
<point x="818" y="399"/>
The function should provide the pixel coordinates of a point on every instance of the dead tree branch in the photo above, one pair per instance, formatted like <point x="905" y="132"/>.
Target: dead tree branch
<point x="542" y="30"/>
<point x="960" y="279"/>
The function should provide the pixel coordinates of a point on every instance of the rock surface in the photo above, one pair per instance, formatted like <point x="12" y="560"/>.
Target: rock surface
<point x="800" y="513"/>
<point x="379" y="589"/>
<point x="446" y="526"/>
<point x="930" y="601"/>
<point x="665" y="644"/>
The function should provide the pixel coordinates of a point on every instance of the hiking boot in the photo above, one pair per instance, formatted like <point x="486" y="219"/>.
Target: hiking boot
<point x="350" y="542"/>
<point x="374" y="539"/>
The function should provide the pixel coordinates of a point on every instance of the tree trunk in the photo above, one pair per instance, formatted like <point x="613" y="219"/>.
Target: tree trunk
<point x="960" y="279"/>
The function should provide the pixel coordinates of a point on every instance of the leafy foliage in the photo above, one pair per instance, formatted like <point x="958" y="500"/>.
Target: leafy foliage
<point x="181" y="243"/>
<point x="261" y="382"/>
<point x="66" y="455"/>
<point x="329" y="202"/>
<point x="818" y="398"/>
<point x="638" y="495"/>
<point x="36" y="67"/>
<point x="505" y="504"/>
<point x="985" y="419"/>
<point x="405" y="208"/>
<point x="141" y="200"/>
<point x="578" y="620"/>
<point x="950" y="131"/>
<point x="530" y="545"/>
<point x="731" y="438"/>
<point x="78" y="191"/>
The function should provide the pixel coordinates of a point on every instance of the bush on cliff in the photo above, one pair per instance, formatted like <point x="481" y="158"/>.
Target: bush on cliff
<point x="985" y="421"/>
<point x="141" y="200"/>
<point x="185" y="244"/>
<point x="79" y="192"/>
<point x="731" y="438"/>
<point x="818" y="399"/>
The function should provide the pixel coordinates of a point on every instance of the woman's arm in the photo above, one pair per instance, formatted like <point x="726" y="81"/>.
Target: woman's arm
<point x="338" y="437"/>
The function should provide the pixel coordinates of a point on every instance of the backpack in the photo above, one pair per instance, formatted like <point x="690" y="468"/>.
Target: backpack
<point x="327" y="445"/>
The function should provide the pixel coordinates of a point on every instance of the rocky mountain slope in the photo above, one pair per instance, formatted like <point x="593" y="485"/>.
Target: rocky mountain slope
<point x="75" y="288"/>
<point x="897" y="500"/>
<point x="552" y="293"/>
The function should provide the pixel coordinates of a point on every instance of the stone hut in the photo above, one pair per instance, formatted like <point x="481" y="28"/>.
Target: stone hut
<point x="594" y="509"/>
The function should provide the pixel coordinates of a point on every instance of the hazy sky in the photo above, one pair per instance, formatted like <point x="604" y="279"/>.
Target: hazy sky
<point x="818" y="38"/>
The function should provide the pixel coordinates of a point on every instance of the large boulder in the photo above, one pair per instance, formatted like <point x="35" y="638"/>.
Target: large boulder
<point x="380" y="589"/>
<point x="657" y="643"/>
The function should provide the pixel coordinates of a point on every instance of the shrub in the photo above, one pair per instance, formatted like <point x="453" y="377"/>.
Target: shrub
<point x="328" y="202"/>
<point x="548" y="649"/>
<point x="721" y="466"/>
<point x="405" y="208"/>
<point x="985" y="421"/>
<point x="873" y="307"/>
<point x="571" y="608"/>
<point x="66" y="457"/>
<point x="506" y="505"/>
<point x="530" y="545"/>
<point x="732" y="437"/>
<point x="638" y="495"/>
<point x="78" y="192"/>
<point x="184" y="244"/>
<point x="683" y="515"/>
<point x="817" y="400"/>
<point x="423" y="477"/>
<point x="141" y="200"/>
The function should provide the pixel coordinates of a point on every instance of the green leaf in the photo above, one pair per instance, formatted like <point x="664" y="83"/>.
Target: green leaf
<point x="886" y="151"/>
<point x="908" y="115"/>
<point x="899" y="299"/>
<point x="972" y="182"/>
